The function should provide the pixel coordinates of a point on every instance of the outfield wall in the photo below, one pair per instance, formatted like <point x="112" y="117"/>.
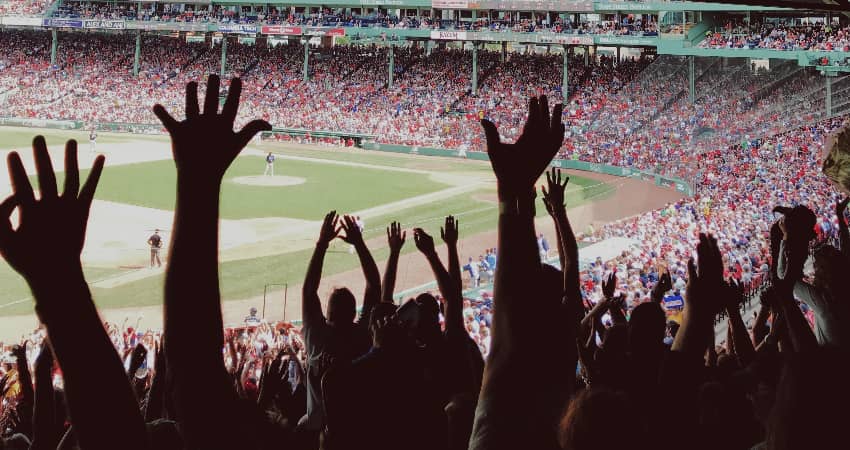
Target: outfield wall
<point x="659" y="180"/>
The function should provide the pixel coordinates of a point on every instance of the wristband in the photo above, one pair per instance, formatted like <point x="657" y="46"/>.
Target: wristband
<point x="518" y="206"/>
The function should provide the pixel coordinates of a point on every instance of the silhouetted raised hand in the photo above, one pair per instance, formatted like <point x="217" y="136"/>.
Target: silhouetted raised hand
<point x="554" y="195"/>
<point x="204" y="144"/>
<point x="396" y="237"/>
<point x="519" y="165"/>
<point x="395" y="240"/>
<point x="424" y="242"/>
<point x="449" y="233"/>
<point x="45" y="249"/>
<point x="664" y="285"/>
<point x="529" y="318"/>
<point x="46" y="435"/>
<point x="353" y="235"/>
<point x="703" y="298"/>
<point x="38" y="219"/>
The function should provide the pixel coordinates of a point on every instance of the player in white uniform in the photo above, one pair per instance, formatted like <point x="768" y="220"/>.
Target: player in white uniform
<point x="92" y="141"/>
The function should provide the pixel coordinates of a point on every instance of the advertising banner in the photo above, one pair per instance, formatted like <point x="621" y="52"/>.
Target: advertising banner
<point x="533" y="5"/>
<point x="316" y="31"/>
<point x="449" y="35"/>
<point x="566" y="39"/>
<point x="280" y="29"/>
<point x="168" y="26"/>
<point x="243" y="28"/>
<point x="63" y="23"/>
<point x="104" y="24"/>
<point x="450" y="4"/>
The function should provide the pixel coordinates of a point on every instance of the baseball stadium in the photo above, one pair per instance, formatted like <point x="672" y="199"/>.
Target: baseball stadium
<point x="692" y="133"/>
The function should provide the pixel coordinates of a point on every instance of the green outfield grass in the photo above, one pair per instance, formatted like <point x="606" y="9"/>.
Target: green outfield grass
<point x="327" y="186"/>
<point x="151" y="184"/>
<point x="21" y="138"/>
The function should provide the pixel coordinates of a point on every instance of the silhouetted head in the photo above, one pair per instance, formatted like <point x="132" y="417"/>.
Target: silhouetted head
<point x="647" y="326"/>
<point x="342" y="307"/>
<point x="589" y="417"/>
<point x="429" y="315"/>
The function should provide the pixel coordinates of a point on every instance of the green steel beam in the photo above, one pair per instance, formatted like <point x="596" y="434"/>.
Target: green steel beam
<point x="138" y="54"/>
<point x="306" y="76"/>
<point x="223" y="56"/>
<point x="691" y="79"/>
<point x="392" y="66"/>
<point x="565" y="81"/>
<point x="828" y="96"/>
<point x="474" y="67"/>
<point x="54" y="44"/>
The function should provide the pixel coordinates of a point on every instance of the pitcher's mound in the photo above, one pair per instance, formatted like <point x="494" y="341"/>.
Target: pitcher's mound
<point x="262" y="180"/>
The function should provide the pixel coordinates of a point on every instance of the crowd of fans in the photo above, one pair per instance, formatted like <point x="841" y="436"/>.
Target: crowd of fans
<point x="629" y="24"/>
<point x="634" y="113"/>
<point x="779" y="36"/>
<point x="28" y="8"/>
<point x="569" y="351"/>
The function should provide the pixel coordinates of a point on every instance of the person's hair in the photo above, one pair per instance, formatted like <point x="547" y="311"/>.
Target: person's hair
<point x="429" y="312"/>
<point x="647" y="326"/>
<point x="342" y="306"/>
<point x="587" y="422"/>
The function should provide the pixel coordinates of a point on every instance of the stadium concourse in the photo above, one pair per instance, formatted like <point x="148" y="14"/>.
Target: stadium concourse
<point x="752" y="140"/>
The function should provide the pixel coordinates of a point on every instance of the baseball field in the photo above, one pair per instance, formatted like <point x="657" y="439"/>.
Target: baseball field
<point x="269" y="223"/>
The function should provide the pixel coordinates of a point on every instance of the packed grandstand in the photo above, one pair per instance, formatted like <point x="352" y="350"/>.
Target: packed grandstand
<point x="745" y="137"/>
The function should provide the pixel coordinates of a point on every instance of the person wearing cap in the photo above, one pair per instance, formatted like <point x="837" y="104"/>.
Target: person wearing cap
<point x="269" y="165"/>
<point x="155" y="243"/>
<point x="252" y="320"/>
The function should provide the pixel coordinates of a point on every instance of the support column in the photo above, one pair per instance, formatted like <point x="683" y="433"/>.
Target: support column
<point x="223" y="55"/>
<point x="565" y="83"/>
<point x="828" y="96"/>
<point x="618" y="54"/>
<point x="392" y="67"/>
<point x="306" y="75"/>
<point x="586" y="55"/>
<point x="474" y="67"/>
<point x="138" y="54"/>
<point x="504" y="51"/>
<point x="53" y="46"/>
<point x="691" y="79"/>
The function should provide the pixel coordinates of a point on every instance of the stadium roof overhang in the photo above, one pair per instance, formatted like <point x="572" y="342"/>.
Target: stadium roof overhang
<point x="813" y="5"/>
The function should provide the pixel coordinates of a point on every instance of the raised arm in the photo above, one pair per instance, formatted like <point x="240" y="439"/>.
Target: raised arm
<point x="372" y="294"/>
<point x="705" y="287"/>
<point x="554" y="199"/>
<point x="27" y="399"/>
<point x="843" y="231"/>
<point x="45" y="434"/>
<point x="395" y="239"/>
<point x="664" y="285"/>
<point x="454" y="299"/>
<point x="45" y="250"/>
<point x="311" y="306"/>
<point x="744" y="349"/>
<point x="204" y="145"/>
<point x="425" y="244"/>
<point x="504" y="416"/>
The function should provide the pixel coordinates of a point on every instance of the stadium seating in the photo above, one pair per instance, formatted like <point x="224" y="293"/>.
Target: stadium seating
<point x="748" y="141"/>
